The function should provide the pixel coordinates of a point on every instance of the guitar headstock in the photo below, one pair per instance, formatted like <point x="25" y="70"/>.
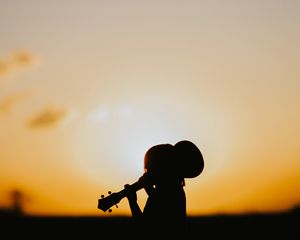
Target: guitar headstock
<point x="105" y="203"/>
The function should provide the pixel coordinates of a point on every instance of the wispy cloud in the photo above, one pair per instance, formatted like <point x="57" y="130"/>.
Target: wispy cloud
<point x="9" y="102"/>
<point x="5" y="67"/>
<point x="16" y="61"/>
<point x="50" y="116"/>
<point x="100" y="114"/>
<point x="105" y="113"/>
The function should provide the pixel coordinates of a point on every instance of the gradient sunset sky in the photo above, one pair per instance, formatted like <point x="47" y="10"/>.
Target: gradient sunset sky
<point x="87" y="87"/>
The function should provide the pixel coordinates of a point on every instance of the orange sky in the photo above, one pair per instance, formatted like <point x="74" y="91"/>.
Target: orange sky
<point x="87" y="88"/>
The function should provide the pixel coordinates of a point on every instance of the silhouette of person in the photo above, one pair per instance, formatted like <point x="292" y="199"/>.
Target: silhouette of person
<point x="166" y="166"/>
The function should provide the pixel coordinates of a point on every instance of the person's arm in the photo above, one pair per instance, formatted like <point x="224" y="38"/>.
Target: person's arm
<point x="134" y="207"/>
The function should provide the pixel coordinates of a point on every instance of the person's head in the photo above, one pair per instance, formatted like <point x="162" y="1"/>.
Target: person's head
<point x="159" y="162"/>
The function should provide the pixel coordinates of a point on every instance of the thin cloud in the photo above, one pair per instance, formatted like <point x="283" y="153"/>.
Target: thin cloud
<point x="16" y="61"/>
<point x="49" y="117"/>
<point x="9" y="102"/>
<point x="100" y="114"/>
<point x="105" y="113"/>
<point x="5" y="68"/>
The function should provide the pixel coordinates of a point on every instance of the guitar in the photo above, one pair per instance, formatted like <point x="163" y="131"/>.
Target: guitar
<point x="105" y="203"/>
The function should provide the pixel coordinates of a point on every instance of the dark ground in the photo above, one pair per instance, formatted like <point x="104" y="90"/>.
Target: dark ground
<point x="254" y="226"/>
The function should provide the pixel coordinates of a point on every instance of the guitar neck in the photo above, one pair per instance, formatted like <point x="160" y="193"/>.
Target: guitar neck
<point x="107" y="202"/>
<point x="131" y="188"/>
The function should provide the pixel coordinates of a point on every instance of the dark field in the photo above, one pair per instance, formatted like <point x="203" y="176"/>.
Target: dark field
<point x="254" y="226"/>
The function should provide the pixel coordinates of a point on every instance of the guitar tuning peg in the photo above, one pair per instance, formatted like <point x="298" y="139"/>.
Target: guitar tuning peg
<point x="109" y="210"/>
<point x="109" y="192"/>
<point x="117" y="206"/>
<point x="102" y="196"/>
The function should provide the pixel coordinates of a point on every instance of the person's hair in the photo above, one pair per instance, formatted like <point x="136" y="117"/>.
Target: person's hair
<point x="158" y="158"/>
<point x="160" y="161"/>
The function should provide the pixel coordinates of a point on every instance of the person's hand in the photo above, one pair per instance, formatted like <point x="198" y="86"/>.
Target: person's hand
<point x="131" y="195"/>
<point x="147" y="181"/>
